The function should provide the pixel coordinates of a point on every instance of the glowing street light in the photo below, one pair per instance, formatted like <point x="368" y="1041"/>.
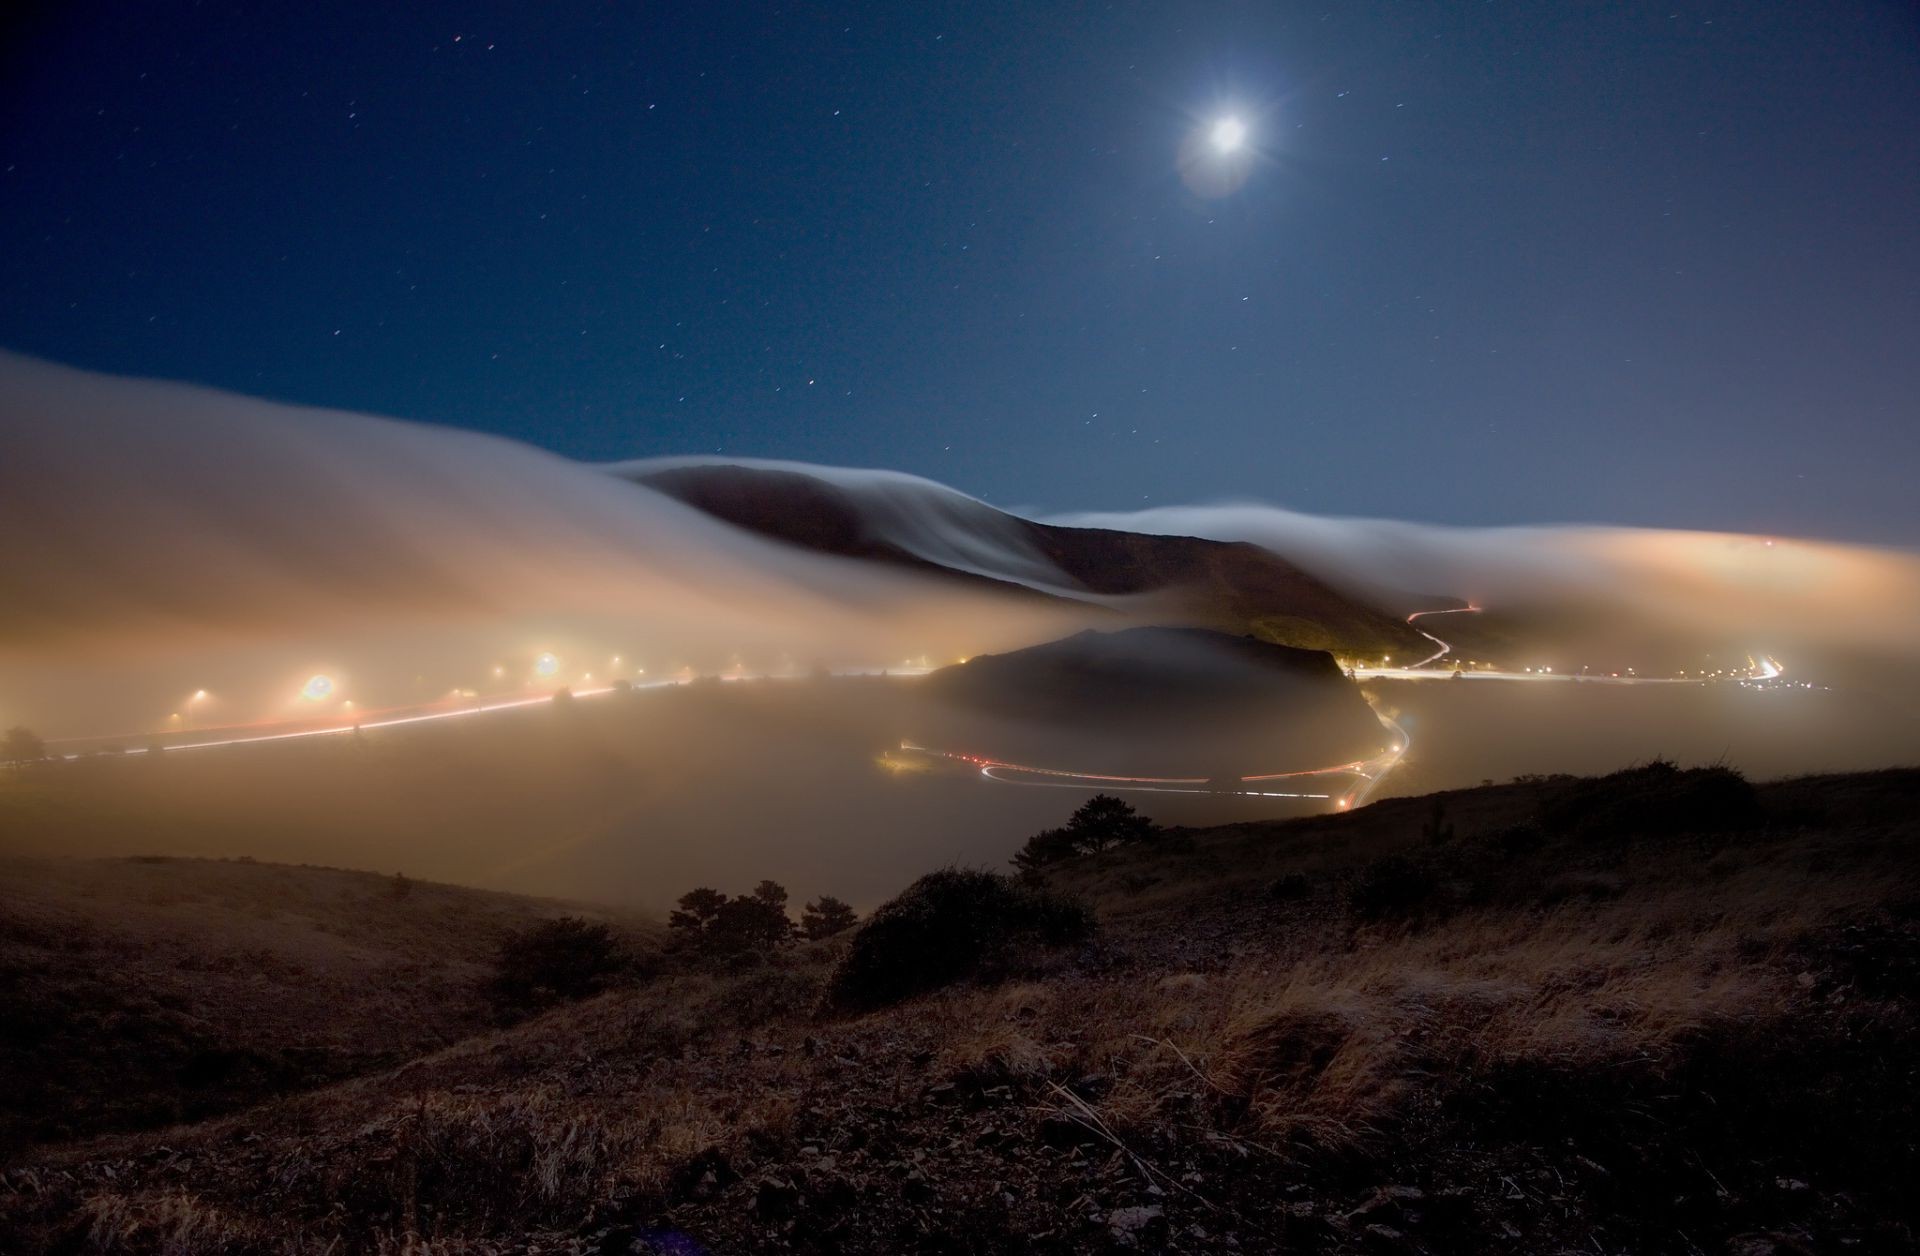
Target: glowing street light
<point x="547" y="664"/>
<point x="319" y="688"/>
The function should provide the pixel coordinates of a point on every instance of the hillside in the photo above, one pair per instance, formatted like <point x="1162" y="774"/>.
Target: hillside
<point x="1165" y="701"/>
<point x="898" y="520"/>
<point x="139" y="992"/>
<point x="1661" y="1011"/>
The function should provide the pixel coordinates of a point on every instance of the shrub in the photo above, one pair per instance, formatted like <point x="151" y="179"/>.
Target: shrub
<point x="22" y="745"/>
<point x="555" y="960"/>
<point x="1100" y="822"/>
<point x="1048" y="846"/>
<point x="1390" y="886"/>
<point x="826" y="916"/>
<point x="718" y="925"/>
<point x="949" y="926"/>
<point x="1653" y="800"/>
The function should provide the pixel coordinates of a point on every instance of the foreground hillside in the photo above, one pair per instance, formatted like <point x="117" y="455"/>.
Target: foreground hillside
<point x="139" y="992"/>
<point x="1662" y="1011"/>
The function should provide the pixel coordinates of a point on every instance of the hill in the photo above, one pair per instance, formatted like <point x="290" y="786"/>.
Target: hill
<point x="903" y="521"/>
<point x="1662" y="1011"/>
<point x="1164" y="701"/>
<point x="136" y="993"/>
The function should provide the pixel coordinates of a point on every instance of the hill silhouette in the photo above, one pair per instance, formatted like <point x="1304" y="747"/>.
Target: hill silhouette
<point x="1163" y="701"/>
<point x="903" y="521"/>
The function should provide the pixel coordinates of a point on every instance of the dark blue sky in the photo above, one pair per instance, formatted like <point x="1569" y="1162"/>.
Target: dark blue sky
<point x="1494" y="262"/>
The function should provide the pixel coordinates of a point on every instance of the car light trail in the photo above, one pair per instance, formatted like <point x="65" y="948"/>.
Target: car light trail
<point x="1366" y="773"/>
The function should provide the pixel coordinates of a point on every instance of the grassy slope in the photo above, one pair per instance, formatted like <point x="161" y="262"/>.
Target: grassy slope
<point x="1578" y="1022"/>
<point x="137" y="992"/>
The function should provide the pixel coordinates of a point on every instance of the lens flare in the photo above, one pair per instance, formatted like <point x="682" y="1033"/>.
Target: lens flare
<point x="318" y="688"/>
<point x="1228" y="134"/>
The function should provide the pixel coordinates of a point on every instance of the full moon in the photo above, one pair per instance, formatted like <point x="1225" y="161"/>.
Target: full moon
<point x="1228" y="134"/>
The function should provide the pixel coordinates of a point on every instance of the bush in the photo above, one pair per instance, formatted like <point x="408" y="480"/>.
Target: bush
<point x="555" y="960"/>
<point x="949" y="926"/>
<point x="1654" y="800"/>
<point x="1391" y="886"/>
<point x="718" y="925"/>
<point x="826" y="916"/>
<point x="1100" y="822"/>
<point x="22" y="745"/>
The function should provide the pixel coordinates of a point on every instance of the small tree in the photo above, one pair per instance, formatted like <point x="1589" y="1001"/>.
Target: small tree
<point x="698" y="908"/>
<point x="1049" y="846"/>
<point x="751" y="922"/>
<point x="720" y="925"/>
<point x="22" y="745"/>
<point x="1100" y="822"/>
<point x="1104" y="821"/>
<point x="949" y="926"/>
<point x="826" y="916"/>
<point x="567" y="958"/>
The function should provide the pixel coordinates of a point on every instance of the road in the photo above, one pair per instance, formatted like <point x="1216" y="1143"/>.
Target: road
<point x="1764" y="668"/>
<point x="340" y="725"/>
<point x="1357" y="778"/>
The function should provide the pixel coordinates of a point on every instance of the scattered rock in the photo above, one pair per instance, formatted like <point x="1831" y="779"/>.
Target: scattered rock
<point x="1139" y="1224"/>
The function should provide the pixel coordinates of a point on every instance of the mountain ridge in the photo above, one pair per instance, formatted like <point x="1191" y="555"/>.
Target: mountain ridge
<point x="898" y="520"/>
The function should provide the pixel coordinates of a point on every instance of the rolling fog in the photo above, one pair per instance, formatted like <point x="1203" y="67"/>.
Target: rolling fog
<point x="1834" y="613"/>
<point x="165" y="540"/>
<point x="185" y="539"/>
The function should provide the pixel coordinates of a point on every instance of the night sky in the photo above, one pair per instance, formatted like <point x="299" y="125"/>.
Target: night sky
<point x="1487" y="263"/>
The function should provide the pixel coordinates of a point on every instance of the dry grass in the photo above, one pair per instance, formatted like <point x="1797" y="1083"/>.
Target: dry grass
<point x="1609" y="1029"/>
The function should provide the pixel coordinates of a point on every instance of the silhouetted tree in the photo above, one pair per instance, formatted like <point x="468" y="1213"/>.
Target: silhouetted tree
<point x="1100" y="822"/>
<point x="826" y="916"/>
<point x="721" y="925"/>
<point x="698" y="907"/>
<point x="22" y="745"/>
<point x="751" y="922"/>
<point x="1104" y="821"/>
<point x="1049" y="846"/>
<point x="400" y="887"/>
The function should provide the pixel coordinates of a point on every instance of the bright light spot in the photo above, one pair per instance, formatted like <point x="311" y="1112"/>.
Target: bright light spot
<point x="546" y="665"/>
<point x="317" y="688"/>
<point x="198" y="694"/>
<point x="1228" y="134"/>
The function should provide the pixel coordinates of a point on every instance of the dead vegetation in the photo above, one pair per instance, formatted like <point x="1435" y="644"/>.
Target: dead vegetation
<point x="1556" y="1034"/>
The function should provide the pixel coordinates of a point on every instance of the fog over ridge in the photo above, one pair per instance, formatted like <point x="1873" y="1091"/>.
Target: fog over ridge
<point x="182" y="537"/>
<point x="166" y="538"/>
